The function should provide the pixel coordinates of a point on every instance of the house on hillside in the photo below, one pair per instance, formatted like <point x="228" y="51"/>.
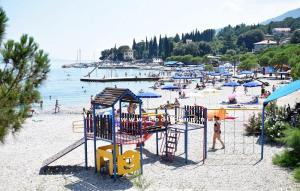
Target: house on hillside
<point x="188" y="41"/>
<point x="263" y="44"/>
<point x="128" y="54"/>
<point x="281" y="31"/>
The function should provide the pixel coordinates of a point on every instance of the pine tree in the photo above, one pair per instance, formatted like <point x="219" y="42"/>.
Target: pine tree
<point x="25" y="68"/>
<point x="160" y="47"/>
<point x="133" y="45"/>
<point x="150" y="54"/>
<point x="155" y="47"/>
<point x="176" y="38"/>
<point x="166" y="47"/>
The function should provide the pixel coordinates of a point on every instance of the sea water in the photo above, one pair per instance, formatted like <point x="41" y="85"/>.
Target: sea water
<point x="64" y="85"/>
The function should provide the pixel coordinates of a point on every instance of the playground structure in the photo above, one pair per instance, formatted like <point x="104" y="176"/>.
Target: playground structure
<point x="108" y="123"/>
<point x="120" y="129"/>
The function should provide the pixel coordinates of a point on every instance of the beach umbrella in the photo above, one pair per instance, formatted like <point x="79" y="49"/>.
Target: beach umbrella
<point x="183" y="77"/>
<point x="246" y="72"/>
<point x="231" y="84"/>
<point x="169" y="87"/>
<point x="252" y="84"/>
<point x="148" y="95"/>
<point x="214" y="74"/>
<point x="226" y="74"/>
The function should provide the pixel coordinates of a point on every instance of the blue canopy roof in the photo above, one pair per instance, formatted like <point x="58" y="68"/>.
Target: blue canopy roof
<point x="252" y="84"/>
<point x="231" y="84"/>
<point x="283" y="91"/>
<point x="148" y="95"/>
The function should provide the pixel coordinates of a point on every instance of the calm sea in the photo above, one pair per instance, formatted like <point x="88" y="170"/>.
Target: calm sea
<point x="64" y="85"/>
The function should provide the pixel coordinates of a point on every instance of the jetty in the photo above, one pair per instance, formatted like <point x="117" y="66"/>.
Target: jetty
<point x="119" y="79"/>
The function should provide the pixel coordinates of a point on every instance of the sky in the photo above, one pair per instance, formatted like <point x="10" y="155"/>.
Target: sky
<point x="61" y="27"/>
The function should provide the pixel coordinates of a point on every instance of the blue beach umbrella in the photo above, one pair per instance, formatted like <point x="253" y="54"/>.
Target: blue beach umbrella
<point x="169" y="87"/>
<point x="148" y="95"/>
<point x="252" y="84"/>
<point x="226" y="74"/>
<point x="231" y="84"/>
<point x="246" y="72"/>
<point x="215" y="74"/>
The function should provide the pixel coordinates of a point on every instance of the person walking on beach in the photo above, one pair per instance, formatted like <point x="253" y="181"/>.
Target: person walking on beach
<point x="217" y="133"/>
<point x="273" y="88"/>
<point x="234" y="89"/>
<point x="245" y="90"/>
<point x="56" y="109"/>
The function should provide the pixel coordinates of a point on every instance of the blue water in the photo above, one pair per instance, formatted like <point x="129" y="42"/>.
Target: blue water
<point x="64" y="85"/>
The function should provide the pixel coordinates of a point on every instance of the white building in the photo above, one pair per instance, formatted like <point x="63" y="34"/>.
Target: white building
<point x="263" y="44"/>
<point x="281" y="31"/>
<point x="188" y="41"/>
<point x="128" y="54"/>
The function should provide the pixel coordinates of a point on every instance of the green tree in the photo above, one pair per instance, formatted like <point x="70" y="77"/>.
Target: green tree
<point x="249" y="38"/>
<point x="121" y="50"/>
<point x="295" y="39"/>
<point x="279" y="60"/>
<point x="204" y="48"/>
<point x="248" y="62"/>
<point x="25" y="68"/>
<point x="176" y="38"/>
<point x="295" y="72"/>
<point x="264" y="60"/>
<point x="208" y="67"/>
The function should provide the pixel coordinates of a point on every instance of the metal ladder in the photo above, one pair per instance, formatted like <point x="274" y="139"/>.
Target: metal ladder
<point x="169" y="146"/>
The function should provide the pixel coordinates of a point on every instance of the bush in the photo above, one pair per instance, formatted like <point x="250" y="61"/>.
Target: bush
<point x="290" y="157"/>
<point x="297" y="174"/>
<point x="254" y="125"/>
<point x="292" y="139"/>
<point x="274" y="130"/>
<point x="286" y="159"/>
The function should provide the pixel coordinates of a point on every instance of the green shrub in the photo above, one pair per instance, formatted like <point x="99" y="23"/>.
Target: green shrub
<point x="292" y="139"/>
<point x="274" y="130"/>
<point x="254" y="125"/>
<point x="286" y="159"/>
<point x="290" y="157"/>
<point x="297" y="174"/>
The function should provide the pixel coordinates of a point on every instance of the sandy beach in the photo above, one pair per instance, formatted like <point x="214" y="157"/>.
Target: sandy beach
<point x="237" y="167"/>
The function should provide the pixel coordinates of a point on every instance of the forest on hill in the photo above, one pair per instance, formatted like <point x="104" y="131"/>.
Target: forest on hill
<point x="238" y="39"/>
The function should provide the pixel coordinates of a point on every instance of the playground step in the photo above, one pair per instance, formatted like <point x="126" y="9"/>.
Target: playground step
<point x="171" y="147"/>
<point x="169" y="144"/>
<point x="172" y="142"/>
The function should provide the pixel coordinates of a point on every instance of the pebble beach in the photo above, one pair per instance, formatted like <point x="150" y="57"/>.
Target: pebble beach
<point x="237" y="167"/>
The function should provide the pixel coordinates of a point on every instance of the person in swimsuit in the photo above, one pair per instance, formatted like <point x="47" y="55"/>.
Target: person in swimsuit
<point x="217" y="133"/>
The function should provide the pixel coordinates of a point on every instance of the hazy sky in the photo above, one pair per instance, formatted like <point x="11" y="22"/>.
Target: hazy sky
<point x="63" y="26"/>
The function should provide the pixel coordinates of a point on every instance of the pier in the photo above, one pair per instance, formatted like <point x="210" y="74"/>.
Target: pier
<point x="120" y="79"/>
